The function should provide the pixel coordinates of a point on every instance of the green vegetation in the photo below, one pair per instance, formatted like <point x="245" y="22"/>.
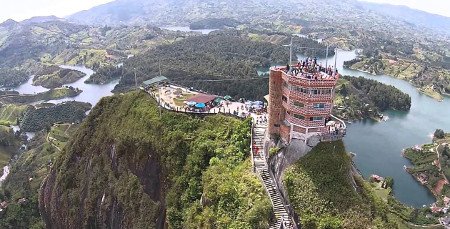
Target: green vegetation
<point x="431" y="80"/>
<point x="26" y="176"/>
<point x="9" y="143"/>
<point x="35" y="119"/>
<point x="60" y="133"/>
<point x="52" y="94"/>
<point x="9" y="113"/>
<point x="358" y="97"/>
<point x="439" y="134"/>
<point x="105" y="74"/>
<point x="12" y="77"/>
<point x="223" y="55"/>
<point x="324" y="192"/>
<point x="139" y="166"/>
<point x="29" y="48"/>
<point x="202" y="62"/>
<point x="214" y="23"/>
<point x="54" y="76"/>
<point x="431" y="164"/>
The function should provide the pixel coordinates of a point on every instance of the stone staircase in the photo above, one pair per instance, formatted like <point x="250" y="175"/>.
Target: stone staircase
<point x="261" y="168"/>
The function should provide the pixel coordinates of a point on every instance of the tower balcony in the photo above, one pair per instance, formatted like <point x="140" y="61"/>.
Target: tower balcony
<point x="307" y="79"/>
<point x="308" y="110"/>
<point x="304" y="123"/>
<point x="292" y="94"/>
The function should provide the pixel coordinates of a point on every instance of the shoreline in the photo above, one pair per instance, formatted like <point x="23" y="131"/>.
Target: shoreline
<point x="436" y="95"/>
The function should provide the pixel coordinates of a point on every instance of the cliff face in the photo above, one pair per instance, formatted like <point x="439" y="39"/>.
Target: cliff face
<point x="127" y="167"/>
<point x="108" y="179"/>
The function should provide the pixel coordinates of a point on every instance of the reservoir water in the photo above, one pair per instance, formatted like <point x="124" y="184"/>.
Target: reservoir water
<point x="187" y="29"/>
<point x="92" y="93"/>
<point x="378" y="145"/>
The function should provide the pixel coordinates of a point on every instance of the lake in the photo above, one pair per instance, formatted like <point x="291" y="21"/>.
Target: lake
<point x="187" y="29"/>
<point x="92" y="93"/>
<point x="378" y="145"/>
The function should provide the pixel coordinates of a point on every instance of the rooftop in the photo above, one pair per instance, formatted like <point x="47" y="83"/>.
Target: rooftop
<point x="309" y="70"/>
<point x="155" y="80"/>
<point x="203" y="98"/>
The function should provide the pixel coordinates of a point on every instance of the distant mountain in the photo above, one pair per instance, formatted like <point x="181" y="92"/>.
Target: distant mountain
<point x="9" y="23"/>
<point x="41" y="19"/>
<point x="413" y="16"/>
<point x="165" y="12"/>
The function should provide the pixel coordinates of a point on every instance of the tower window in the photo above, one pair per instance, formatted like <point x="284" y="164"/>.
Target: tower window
<point x="301" y="117"/>
<point x="319" y="105"/>
<point x="298" y="104"/>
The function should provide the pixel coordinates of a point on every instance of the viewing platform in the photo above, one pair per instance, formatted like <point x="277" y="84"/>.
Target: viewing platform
<point x="311" y="76"/>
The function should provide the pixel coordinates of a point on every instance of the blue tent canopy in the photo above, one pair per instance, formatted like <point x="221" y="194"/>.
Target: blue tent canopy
<point x="200" y="105"/>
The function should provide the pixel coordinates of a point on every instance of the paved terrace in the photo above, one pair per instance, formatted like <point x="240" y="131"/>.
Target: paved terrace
<point x="172" y="97"/>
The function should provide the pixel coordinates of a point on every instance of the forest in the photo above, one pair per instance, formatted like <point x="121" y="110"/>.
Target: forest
<point x="383" y="96"/>
<point x="36" y="119"/>
<point x="214" y="23"/>
<point x="10" y="77"/>
<point x="224" y="62"/>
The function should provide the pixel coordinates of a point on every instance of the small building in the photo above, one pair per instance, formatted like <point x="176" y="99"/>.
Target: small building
<point x="203" y="98"/>
<point x="154" y="81"/>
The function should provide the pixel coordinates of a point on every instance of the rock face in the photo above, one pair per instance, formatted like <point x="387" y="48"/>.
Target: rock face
<point x="107" y="177"/>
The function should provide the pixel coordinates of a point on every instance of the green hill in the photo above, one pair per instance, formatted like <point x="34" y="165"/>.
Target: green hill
<point x="127" y="167"/>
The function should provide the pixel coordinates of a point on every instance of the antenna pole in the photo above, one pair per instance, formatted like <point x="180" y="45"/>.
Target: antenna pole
<point x="335" y="59"/>
<point x="290" y="52"/>
<point x="326" y="58"/>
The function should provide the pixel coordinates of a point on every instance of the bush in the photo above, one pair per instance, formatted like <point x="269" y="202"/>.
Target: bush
<point x="439" y="134"/>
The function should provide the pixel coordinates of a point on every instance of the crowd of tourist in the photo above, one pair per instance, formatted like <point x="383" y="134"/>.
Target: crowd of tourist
<point x="310" y="69"/>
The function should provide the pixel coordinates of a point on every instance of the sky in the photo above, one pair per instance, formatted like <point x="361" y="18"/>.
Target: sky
<point x="441" y="7"/>
<point x="23" y="9"/>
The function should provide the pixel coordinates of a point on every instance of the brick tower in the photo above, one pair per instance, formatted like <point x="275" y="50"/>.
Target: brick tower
<point x="301" y="100"/>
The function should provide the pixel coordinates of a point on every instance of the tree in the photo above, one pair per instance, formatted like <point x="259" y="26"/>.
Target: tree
<point x="439" y="134"/>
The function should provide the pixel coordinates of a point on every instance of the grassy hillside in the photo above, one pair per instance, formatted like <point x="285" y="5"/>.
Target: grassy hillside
<point x="10" y="112"/>
<point x="128" y="167"/>
<point x="26" y="176"/>
<point x="54" y="76"/>
<point x="325" y="194"/>
<point x="431" y="78"/>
